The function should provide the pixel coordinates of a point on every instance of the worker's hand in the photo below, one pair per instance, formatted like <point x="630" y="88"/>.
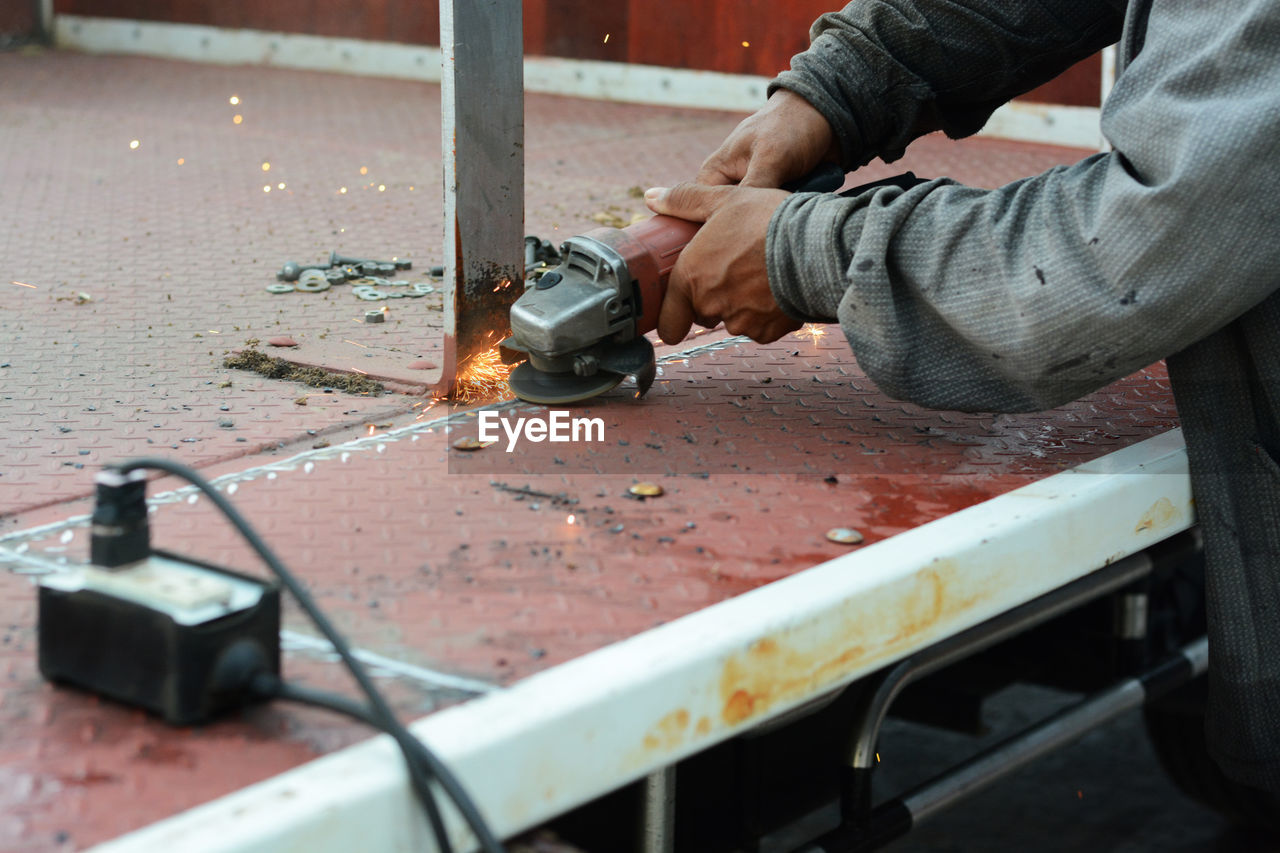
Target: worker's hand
<point x="721" y="275"/>
<point x="784" y="140"/>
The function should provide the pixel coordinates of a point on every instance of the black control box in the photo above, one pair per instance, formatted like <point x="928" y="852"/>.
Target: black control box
<point x="177" y="637"/>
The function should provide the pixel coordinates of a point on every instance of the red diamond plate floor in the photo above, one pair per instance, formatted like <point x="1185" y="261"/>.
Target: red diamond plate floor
<point x="426" y="555"/>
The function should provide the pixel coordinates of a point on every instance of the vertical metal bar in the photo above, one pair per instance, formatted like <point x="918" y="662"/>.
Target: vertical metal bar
<point x="44" y="19"/>
<point x="482" y="93"/>
<point x="658" y="811"/>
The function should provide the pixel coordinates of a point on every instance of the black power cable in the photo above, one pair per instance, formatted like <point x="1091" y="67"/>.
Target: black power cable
<point x="423" y="765"/>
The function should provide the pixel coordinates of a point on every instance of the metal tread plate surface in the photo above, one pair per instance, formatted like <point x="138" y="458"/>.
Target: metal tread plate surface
<point x="494" y="566"/>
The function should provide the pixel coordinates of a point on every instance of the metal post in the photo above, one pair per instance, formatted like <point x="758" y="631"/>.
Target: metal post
<point x="43" y="10"/>
<point x="482" y="93"/>
<point x="658" y="811"/>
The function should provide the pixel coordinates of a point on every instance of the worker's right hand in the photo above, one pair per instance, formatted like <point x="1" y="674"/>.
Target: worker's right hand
<point x="785" y="139"/>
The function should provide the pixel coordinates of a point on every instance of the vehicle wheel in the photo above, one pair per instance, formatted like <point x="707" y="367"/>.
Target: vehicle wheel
<point x="1177" y="733"/>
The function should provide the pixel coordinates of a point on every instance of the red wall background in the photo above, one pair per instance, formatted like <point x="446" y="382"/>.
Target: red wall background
<point x="707" y="34"/>
<point x="18" y="19"/>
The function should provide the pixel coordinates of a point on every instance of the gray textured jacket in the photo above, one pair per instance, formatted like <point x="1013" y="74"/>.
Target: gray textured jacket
<point x="1033" y="294"/>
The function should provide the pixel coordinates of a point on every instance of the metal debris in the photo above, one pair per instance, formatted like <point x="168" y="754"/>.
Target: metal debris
<point x="557" y="498"/>
<point x="312" y="281"/>
<point x="470" y="443"/>
<point x="844" y="536"/>
<point x="646" y="490"/>
<point x="368" y="278"/>
<point x="375" y="316"/>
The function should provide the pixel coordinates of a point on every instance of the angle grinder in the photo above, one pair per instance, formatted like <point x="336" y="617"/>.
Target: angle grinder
<point x="577" y="331"/>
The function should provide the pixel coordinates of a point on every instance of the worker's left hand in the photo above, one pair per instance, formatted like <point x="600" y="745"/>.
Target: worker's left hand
<point x="721" y="275"/>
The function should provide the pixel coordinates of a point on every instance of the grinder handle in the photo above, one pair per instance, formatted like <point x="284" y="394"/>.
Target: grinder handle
<point x="651" y="248"/>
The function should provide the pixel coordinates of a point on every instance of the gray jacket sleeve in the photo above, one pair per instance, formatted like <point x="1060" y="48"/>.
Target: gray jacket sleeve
<point x="1027" y="296"/>
<point x="883" y="72"/>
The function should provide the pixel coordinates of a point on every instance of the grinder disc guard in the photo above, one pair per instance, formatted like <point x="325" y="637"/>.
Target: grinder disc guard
<point x="550" y="389"/>
<point x="610" y="363"/>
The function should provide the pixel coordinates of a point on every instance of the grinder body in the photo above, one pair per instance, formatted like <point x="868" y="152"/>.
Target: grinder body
<point x="581" y="325"/>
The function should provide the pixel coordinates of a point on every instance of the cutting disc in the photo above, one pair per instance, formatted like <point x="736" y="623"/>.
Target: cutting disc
<point x="534" y="386"/>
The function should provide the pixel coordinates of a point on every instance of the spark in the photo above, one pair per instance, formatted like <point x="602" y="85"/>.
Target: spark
<point x="502" y="285"/>
<point x="382" y="188"/>
<point x="134" y="143"/>
<point x="280" y="185"/>
<point x="24" y="284"/>
<point x="812" y="331"/>
<point x="364" y="170"/>
<point x="572" y="519"/>
<point x="342" y="190"/>
<point x="237" y="118"/>
<point x="266" y="167"/>
<point x="213" y="331"/>
<point x="372" y="429"/>
<point x="361" y="372"/>
<point x="233" y="100"/>
<point x="410" y="188"/>
<point x="181" y="160"/>
<point x="482" y="377"/>
<point x="746" y="44"/>
<point x="354" y="344"/>
<point x="606" y="38"/>
<point x="266" y="188"/>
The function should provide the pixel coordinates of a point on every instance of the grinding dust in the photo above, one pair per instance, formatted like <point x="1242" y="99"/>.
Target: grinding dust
<point x="278" y="368"/>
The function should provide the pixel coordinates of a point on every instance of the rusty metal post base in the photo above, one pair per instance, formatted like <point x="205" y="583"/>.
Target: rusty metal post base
<point x="482" y="90"/>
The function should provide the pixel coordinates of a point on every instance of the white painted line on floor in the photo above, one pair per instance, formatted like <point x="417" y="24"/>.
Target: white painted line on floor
<point x="294" y="641"/>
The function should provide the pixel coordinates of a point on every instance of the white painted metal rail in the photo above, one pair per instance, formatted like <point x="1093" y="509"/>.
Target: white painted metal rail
<point x="612" y="81"/>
